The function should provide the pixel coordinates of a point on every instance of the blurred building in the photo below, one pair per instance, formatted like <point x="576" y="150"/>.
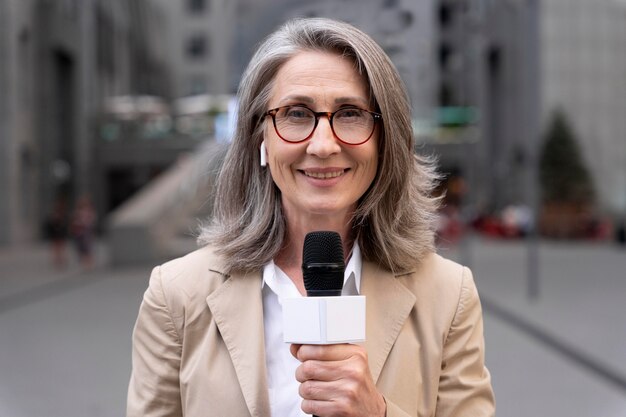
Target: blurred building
<point x="139" y="137"/>
<point x="483" y="77"/>
<point x="200" y="45"/>
<point x="211" y="46"/>
<point x="60" y="59"/>
<point x="583" y="64"/>
<point x="404" y="28"/>
<point x="486" y="129"/>
<point x="471" y="69"/>
<point x="505" y="66"/>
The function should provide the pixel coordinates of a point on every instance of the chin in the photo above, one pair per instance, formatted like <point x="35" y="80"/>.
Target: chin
<point x="330" y="209"/>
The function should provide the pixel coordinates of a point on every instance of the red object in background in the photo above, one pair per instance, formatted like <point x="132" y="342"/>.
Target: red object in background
<point x="450" y="228"/>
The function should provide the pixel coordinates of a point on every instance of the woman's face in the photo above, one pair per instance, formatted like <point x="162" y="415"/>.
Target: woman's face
<point x="322" y="175"/>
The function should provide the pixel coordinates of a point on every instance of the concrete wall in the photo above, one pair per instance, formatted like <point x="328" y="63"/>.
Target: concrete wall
<point x="18" y="147"/>
<point x="5" y="119"/>
<point x="216" y="25"/>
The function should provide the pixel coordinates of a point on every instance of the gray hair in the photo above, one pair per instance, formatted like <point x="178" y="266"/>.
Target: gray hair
<point x="395" y="219"/>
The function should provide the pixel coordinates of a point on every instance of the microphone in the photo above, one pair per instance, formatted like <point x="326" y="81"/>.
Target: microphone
<point x="323" y="264"/>
<point x="324" y="316"/>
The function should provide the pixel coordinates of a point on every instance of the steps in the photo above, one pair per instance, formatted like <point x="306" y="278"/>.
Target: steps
<point x="159" y="221"/>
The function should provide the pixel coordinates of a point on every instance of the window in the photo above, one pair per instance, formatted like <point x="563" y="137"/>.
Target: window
<point x="390" y="4"/>
<point x="196" y="47"/>
<point x="446" y="55"/>
<point x="197" y="84"/>
<point x="196" y="6"/>
<point x="105" y="49"/>
<point x="445" y="15"/>
<point x="446" y="95"/>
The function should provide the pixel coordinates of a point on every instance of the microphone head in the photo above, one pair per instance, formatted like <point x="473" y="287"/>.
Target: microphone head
<point x="323" y="263"/>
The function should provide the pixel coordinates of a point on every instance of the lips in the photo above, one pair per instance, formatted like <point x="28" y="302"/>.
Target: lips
<point x="324" y="175"/>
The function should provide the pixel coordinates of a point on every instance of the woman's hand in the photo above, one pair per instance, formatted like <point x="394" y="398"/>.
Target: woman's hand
<point x="335" y="380"/>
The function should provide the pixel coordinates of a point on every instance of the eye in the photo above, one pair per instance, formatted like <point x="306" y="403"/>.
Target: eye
<point x="350" y="114"/>
<point x="296" y="113"/>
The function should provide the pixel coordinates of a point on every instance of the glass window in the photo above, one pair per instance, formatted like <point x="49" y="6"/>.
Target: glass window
<point x="196" y="6"/>
<point x="197" y="84"/>
<point x="196" y="47"/>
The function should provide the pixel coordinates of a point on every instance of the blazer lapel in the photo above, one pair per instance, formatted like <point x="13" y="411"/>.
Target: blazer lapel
<point x="237" y="307"/>
<point x="388" y="306"/>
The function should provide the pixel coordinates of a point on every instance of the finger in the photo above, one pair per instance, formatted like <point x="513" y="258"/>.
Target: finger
<point x="329" y="352"/>
<point x="318" y="371"/>
<point x="313" y="407"/>
<point x="327" y="408"/>
<point x="345" y="397"/>
<point x="349" y="369"/>
<point x="313" y="390"/>
<point x="294" y="348"/>
<point x="336" y="391"/>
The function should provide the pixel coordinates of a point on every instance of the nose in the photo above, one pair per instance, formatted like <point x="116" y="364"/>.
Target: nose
<point x="323" y="143"/>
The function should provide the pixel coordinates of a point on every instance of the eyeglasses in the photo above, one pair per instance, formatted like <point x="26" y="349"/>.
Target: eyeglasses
<point x="351" y="125"/>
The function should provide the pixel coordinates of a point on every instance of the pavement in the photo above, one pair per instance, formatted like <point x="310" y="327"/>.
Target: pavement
<point x="65" y="335"/>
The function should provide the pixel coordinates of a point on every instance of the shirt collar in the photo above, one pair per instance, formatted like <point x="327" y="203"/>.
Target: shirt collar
<point x="280" y="283"/>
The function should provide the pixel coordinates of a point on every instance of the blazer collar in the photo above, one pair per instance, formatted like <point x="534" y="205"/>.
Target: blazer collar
<point x="237" y="307"/>
<point x="388" y="306"/>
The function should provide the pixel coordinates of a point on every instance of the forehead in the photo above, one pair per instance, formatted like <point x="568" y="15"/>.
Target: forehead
<point x="319" y="76"/>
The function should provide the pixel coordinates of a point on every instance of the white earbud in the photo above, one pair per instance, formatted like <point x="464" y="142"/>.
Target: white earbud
<point x="263" y="155"/>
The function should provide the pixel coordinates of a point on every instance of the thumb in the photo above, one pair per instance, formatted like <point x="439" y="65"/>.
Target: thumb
<point x="294" y="348"/>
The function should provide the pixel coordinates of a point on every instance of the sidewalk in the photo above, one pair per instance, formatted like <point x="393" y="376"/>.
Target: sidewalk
<point x="562" y="353"/>
<point x="26" y="267"/>
<point x="65" y="345"/>
<point x="65" y="349"/>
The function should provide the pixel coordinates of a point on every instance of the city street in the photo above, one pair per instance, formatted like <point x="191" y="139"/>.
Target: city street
<point x="116" y="118"/>
<point x="65" y="345"/>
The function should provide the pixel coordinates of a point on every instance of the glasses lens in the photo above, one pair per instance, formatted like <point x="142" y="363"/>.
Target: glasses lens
<point x="353" y="125"/>
<point x="294" y="123"/>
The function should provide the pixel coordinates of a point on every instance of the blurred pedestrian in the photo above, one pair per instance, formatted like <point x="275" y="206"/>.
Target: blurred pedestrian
<point x="57" y="233"/>
<point x="82" y="229"/>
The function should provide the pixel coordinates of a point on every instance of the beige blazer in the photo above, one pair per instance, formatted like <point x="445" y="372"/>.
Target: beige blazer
<point x="198" y="346"/>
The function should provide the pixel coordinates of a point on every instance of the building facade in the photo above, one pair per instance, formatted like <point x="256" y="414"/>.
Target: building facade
<point x="584" y="70"/>
<point x="488" y="98"/>
<point x="517" y="62"/>
<point x="201" y="45"/>
<point x="484" y="76"/>
<point x="405" y="29"/>
<point x="18" y="159"/>
<point x="59" y="60"/>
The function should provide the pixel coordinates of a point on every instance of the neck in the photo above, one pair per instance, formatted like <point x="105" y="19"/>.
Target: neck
<point x="289" y="258"/>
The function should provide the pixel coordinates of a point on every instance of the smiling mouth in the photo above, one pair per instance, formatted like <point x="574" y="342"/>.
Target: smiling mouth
<point x="324" y="175"/>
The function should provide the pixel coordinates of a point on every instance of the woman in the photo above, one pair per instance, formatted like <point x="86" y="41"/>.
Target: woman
<point x="323" y="142"/>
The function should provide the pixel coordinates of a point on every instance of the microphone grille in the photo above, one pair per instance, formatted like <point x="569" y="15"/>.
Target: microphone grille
<point x="322" y="261"/>
<point x="322" y="247"/>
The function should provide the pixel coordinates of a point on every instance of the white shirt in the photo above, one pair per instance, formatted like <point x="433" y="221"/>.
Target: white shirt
<point x="281" y="366"/>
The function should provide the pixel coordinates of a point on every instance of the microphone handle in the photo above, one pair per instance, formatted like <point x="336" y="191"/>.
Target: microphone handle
<point x="323" y="293"/>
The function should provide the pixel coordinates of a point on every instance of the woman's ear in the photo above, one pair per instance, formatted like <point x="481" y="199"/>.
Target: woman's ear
<point x="263" y="154"/>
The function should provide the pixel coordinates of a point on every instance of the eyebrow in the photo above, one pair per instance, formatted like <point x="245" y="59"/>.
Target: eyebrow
<point x="338" y="100"/>
<point x="343" y="100"/>
<point x="298" y="98"/>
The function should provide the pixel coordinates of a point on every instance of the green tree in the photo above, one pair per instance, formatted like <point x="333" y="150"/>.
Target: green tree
<point x="564" y="178"/>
